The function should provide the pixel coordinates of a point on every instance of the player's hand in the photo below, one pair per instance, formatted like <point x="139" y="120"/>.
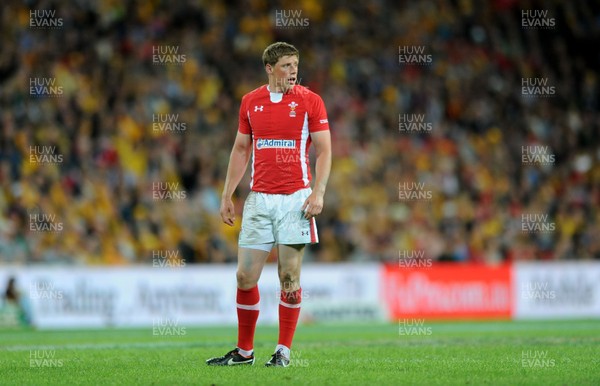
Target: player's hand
<point x="313" y="205"/>
<point x="227" y="211"/>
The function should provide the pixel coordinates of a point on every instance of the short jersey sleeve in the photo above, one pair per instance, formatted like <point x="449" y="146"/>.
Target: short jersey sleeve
<point x="244" y="121"/>
<point x="317" y="116"/>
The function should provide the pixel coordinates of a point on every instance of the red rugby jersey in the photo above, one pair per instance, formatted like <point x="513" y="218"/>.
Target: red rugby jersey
<point x="280" y="125"/>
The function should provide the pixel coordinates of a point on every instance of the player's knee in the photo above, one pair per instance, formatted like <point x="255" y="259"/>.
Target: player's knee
<point x="290" y="281"/>
<point x="245" y="280"/>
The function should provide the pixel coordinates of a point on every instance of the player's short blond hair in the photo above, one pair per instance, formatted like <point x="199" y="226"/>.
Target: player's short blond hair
<point x="277" y="50"/>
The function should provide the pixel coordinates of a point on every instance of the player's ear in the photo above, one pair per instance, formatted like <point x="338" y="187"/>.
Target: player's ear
<point x="269" y="68"/>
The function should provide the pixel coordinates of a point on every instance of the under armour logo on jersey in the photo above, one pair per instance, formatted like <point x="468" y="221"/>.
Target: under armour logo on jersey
<point x="258" y="108"/>
<point x="305" y="233"/>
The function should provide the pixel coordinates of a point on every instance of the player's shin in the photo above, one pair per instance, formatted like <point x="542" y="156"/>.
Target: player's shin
<point x="248" y="302"/>
<point x="289" y="311"/>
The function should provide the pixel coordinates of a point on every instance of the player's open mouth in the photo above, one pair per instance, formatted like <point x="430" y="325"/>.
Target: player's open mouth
<point x="292" y="80"/>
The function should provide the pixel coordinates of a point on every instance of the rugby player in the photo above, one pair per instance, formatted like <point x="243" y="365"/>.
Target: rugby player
<point x="278" y="122"/>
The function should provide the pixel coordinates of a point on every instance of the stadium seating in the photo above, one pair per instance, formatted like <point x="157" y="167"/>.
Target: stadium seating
<point x="101" y="189"/>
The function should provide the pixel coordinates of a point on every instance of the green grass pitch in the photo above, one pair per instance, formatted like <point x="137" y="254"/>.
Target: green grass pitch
<point x="456" y="353"/>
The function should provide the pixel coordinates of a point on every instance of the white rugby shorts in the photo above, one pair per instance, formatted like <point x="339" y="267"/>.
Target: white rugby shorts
<point x="277" y="218"/>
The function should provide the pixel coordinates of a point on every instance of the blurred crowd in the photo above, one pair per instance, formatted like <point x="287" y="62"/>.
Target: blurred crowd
<point x="87" y="177"/>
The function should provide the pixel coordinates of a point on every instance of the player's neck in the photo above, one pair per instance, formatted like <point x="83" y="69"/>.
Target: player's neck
<point x="278" y="89"/>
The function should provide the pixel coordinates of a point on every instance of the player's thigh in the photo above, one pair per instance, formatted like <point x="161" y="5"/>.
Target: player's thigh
<point x="289" y="265"/>
<point x="257" y="226"/>
<point x="291" y="227"/>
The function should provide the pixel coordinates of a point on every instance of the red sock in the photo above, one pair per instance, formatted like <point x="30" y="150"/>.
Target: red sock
<point x="247" y="311"/>
<point x="289" y="311"/>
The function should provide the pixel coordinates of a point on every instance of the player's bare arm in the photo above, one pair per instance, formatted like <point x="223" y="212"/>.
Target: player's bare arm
<point x="238" y="161"/>
<point x="314" y="203"/>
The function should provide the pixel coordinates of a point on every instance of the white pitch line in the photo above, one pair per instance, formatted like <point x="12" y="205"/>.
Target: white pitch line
<point x="96" y="346"/>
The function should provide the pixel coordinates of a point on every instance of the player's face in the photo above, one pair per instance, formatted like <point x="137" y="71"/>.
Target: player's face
<point x="284" y="74"/>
